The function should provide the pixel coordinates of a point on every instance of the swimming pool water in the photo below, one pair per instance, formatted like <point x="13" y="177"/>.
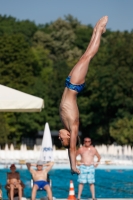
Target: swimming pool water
<point x="110" y="183"/>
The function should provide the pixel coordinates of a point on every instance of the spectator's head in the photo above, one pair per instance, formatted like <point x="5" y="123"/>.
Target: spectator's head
<point x="39" y="165"/>
<point x="87" y="141"/>
<point x="13" y="167"/>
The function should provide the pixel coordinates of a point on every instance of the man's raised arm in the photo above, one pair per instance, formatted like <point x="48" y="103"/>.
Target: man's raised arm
<point x="28" y="166"/>
<point x="48" y="165"/>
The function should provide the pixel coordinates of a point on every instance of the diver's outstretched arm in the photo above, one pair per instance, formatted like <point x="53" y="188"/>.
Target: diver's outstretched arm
<point x="72" y="151"/>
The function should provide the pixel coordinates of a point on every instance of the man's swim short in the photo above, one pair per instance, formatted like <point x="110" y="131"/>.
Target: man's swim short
<point x="87" y="174"/>
<point x="71" y="86"/>
<point x="41" y="184"/>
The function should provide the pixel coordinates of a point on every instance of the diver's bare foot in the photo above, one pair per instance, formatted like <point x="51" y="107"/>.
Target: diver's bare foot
<point x="95" y="27"/>
<point x="75" y="171"/>
<point x="101" y="24"/>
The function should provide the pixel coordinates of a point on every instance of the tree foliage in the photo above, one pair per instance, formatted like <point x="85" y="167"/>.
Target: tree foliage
<point x="37" y="58"/>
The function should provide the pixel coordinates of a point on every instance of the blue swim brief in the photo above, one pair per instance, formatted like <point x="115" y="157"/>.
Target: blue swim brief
<point x="41" y="184"/>
<point x="71" y="86"/>
<point x="87" y="174"/>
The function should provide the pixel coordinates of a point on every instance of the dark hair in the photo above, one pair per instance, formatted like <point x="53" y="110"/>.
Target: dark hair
<point x="78" y="142"/>
<point x="87" y="137"/>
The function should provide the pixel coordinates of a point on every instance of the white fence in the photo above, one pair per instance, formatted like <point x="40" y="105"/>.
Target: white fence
<point x="112" y="153"/>
<point x="22" y="156"/>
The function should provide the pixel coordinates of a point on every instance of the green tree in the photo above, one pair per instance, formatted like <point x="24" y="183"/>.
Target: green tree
<point x="10" y="25"/>
<point x="108" y="95"/>
<point x="4" y="130"/>
<point x="37" y="60"/>
<point x="122" y="131"/>
<point x="17" y="62"/>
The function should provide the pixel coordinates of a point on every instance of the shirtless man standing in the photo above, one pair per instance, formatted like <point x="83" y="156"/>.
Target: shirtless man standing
<point x="14" y="184"/>
<point x="40" y="178"/>
<point x="75" y="83"/>
<point x="86" y="165"/>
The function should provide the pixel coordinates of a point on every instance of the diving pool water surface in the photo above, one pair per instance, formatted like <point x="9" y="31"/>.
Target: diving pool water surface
<point x="110" y="183"/>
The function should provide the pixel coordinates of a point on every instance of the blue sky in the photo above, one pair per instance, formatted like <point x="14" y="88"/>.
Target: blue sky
<point x="120" y="12"/>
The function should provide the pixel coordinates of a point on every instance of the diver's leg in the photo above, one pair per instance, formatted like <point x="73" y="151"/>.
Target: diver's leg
<point x="93" y="34"/>
<point x="78" y="73"/>
<point x="72" y="148"/>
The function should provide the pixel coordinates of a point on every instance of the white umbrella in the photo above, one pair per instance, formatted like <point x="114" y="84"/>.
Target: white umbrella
<point x="104" y="149"/>
<point x="36" y="152"/>
<point x="46" y="153"/>
<point x="119" y="150"/>
<point x="129" y="150"/>
<point x="132" y="152"/>
<point x="112" y="150"/>
<point x="12" y="100"/>
<point x="7" y="154"/>
<point x="17" y="155"/>
<point x="125" y="150"/>
<point x="54" y="148"/>
<point x="31" y="155"/>
<point x="21" y="147"/>
<point x="22" y="152"/>
<point x="2" y="155"/>
<point x="6" y="147"/>
<point x="11" y="147"/>
<point x="35" y="148"/>
<point x="98" y="148"/>
<point x="25" y="147"/>
<point x="11" y="154"/>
